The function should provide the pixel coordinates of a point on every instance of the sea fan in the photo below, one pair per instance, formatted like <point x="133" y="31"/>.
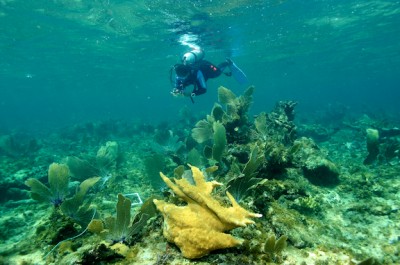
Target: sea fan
<point x="58" y="176"/>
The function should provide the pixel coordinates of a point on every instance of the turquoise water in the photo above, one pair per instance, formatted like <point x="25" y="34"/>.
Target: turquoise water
<point x="64" y="62"/>
<point x="315" y="149"/>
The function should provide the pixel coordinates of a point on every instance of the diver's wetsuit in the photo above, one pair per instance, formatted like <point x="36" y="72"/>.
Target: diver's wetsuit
<point x="200" y="72"/>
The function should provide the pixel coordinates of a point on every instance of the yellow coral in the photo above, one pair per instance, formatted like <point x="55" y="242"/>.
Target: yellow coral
<point x="198" y="228"/>
<point x="95" y="226"/>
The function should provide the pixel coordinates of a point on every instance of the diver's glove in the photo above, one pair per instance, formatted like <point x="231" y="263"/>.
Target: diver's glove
<point x="177" y="92"/>
<point x="181" y="93"/>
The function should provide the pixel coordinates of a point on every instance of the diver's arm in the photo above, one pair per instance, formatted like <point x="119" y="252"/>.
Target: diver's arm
<point x="200" y="86"/>
<point x="179" y="88"/>
<point x="178" y="85"/>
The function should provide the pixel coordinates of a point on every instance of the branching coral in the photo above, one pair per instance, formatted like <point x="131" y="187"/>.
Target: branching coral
<point x="198" y="228"/>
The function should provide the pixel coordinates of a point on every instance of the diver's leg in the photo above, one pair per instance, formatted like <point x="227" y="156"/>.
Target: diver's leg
<point x="222" y="66"/>
<point x="236" y="72"/>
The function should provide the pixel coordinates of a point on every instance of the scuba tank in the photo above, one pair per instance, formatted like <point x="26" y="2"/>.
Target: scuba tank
<point x="193" y="56"/>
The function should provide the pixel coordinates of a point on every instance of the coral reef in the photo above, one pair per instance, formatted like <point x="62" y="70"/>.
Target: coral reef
<point x="322" y="204"/>
<point x="317" y="168"/>
<point x="198" y="228"/>
<point x="235" y="116"/>
<point x="18" y="145"/>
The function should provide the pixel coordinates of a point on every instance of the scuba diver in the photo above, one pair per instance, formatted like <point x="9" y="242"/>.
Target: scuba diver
<point x="195" y="71"/>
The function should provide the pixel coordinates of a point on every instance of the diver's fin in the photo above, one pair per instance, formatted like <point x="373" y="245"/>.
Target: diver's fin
<point x="237" y="73"/>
